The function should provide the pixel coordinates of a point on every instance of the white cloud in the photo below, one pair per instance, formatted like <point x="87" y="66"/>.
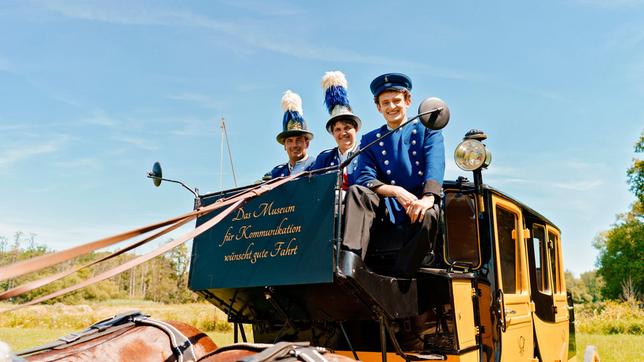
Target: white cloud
<point x="579" y="185"/>
<point x="84" y="163"/>
<point x="197" y="128"/>
<point x="101" y="118"/>
<point x="12" y="154"/>
<point x="139" y="142"/>
<point x="272" y="8"/>
<point x="5" y="65"/>
<point x="248" y="33"/>
<point x="611" y="3"/>
<point x="200" y="99"/>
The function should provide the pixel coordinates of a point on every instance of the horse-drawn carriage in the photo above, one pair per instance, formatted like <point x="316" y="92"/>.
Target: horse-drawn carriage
<point x="491" y="287"/>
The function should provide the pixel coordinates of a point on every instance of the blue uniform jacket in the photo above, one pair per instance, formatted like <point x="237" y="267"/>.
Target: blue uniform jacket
<point x="330" y="158"/>
<point x="412" y="157"/>
<point x="283" y="170"/>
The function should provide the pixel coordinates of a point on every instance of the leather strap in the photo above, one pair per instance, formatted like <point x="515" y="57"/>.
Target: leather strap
<point x="134" y="262"/>
<point x="181" y="346"/>
<point x="288" y="351"/>
<point x="44" y="261"/>
<point x="24" y="288"/>
<point x="234" y="203"/>
<point x="106" y="326"/>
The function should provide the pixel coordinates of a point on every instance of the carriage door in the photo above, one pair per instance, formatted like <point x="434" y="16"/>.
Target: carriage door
<point x="560" y="335"/>
<point x="517" y="342"/>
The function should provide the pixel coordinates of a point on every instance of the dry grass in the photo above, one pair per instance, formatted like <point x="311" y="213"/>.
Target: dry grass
<point x="76" y="317"/>
<point x="609" y="318"/>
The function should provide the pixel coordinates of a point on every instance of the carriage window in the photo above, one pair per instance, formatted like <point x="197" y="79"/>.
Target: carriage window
<point x="553" y="241"/>
<point x="540" y="247"/>
<point x="461" y="228"/>
<point x="506" y="222"/>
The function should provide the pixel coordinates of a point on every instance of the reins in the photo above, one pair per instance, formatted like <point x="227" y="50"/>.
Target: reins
<point x="41" y="262"/>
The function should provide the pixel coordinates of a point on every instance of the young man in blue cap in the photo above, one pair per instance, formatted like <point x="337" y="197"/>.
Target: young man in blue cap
<point x="295" y="137"/>
<point x="399" y="178"/>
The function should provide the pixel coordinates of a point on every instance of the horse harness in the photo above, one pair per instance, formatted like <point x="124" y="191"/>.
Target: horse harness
<point x="279" y="352"/>
<point x="181" y="346"/>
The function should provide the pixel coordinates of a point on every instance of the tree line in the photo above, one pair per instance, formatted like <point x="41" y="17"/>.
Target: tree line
<point x="620" y="264"/>
<point x="162" y="279"/>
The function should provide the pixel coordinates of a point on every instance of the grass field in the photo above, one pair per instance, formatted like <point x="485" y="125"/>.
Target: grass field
<point x="38" y="325"/>
<point x="612" y="348"/>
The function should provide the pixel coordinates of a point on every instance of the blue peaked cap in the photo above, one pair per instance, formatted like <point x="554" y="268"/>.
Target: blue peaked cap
<point x="390" y="81"/>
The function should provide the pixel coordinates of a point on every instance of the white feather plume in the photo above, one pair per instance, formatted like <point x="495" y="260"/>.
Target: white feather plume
<point x="335" y="78"/>
<point x="291" y="101"/>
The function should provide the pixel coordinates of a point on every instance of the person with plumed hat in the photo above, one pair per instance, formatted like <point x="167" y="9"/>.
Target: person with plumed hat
<point x="343" y="125"/>
<point x="399" y="179"/>
<point x="295" y="138"/>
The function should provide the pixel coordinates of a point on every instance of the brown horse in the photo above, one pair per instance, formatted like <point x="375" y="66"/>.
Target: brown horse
<point x="135" y="337"/>
<point x="134" y="342"/>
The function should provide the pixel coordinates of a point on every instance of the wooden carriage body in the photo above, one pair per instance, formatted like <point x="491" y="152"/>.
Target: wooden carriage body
<point x="491" y="288"/>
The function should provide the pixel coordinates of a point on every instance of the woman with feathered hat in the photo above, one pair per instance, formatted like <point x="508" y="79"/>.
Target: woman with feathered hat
<point x="343" y="125"/>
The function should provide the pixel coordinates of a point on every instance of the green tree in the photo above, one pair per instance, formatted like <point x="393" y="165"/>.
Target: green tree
<point x="594" y="283"/>
<point x="577" y="288"/>
<point x="621" y="249"/>
<point x="636" y="176"/>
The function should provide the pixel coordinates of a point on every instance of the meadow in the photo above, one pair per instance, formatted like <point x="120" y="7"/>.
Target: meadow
<point x="614" y="328"/>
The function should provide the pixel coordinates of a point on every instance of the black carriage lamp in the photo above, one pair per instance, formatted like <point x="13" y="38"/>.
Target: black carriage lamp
<point x="157" y="176"/>
<point x="472" y="155"/>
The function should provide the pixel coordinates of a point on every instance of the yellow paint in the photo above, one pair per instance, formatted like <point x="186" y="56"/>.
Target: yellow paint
<point x="393" y="357"/>
<point x="553" y="337"/>
<point x="464" y="313"/>
<point x="517" y="340"/>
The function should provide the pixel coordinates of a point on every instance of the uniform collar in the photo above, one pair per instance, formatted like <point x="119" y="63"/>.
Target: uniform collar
<point x="299" y="165"/>
<point x="389" y="128"/>
<point x="344" y="156"/>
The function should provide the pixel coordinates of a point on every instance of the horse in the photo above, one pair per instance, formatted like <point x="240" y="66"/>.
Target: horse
<point x="130" y="336"/>
<point x="133" y="336"/>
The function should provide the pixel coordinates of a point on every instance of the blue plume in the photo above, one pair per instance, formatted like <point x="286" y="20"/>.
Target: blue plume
<point x="292" y="115"/>
<point x="335" y="96"/>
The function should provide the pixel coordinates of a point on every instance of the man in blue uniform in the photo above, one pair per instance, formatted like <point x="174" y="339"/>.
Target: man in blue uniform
<point x="343" y="126"/>
<point x="295" y="137"/>
<point x="399" y="178"/>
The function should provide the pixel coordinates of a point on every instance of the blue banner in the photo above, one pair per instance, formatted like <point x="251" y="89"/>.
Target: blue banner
<point x="282" y="237"/>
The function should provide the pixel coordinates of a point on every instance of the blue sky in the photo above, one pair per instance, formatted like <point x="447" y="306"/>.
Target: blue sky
<point x="92" y="93"/>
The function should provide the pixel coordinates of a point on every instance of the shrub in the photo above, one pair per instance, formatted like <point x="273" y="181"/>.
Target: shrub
<point x="610" y="317"/>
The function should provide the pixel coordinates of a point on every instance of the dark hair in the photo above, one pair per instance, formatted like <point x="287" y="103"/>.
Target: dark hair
<point x="405" y="91"/>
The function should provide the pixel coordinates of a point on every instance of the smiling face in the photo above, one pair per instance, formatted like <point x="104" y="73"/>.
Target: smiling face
<point x="393" y="106"/>
<point x="296" y="147"/>
<point x="345" y="135"/>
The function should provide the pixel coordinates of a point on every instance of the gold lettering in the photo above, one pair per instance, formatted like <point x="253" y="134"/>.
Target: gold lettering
<point x="241" y="215"/>
<point x="227" y="237"/>
<point x="267" y="209"/>
<point x="281" y="250"/>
